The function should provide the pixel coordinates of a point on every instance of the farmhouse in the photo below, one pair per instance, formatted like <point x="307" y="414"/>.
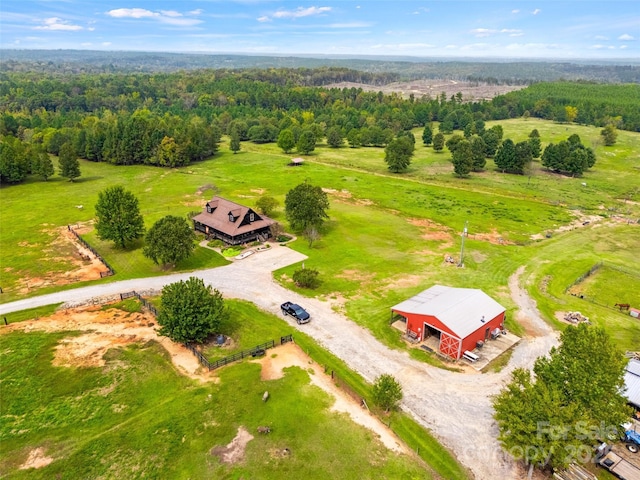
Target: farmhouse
<point x="632" y="383"/>
<point x="232" y="223"/>
<point x="458" y="317"/>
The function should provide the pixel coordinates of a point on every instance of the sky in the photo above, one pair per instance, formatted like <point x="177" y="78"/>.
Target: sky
<point x="543" y="29"/>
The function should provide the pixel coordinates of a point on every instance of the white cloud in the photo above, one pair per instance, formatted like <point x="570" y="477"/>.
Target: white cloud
<point x="301" y="12"/>
<point x="131" y="13"/>
<point x="601" y="37"/>
<point x="197" y="11"/>
<point x="57" y="24"/>
<point x="483" y="32"/>
<point x="622" y="47"/>
<point x="106" y="44"/>
<point x="451" y="47"/>
<point x="170" y="17"/>
<point x="536" y="11"/>
<point x="515" y="11"/>
<point x="513" y="32"/>
<point x="170" y="13"/>
<point x="626" y="37"/>
<point x="598" y="47"/>
<point x="421" y="10"/>
<point x="86" y="44"/>
<point x="264" y="19"/>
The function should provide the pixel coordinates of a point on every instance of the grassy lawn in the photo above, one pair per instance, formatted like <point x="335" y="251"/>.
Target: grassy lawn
<point x="137" y="417"/>
<point x="388" y="233"/>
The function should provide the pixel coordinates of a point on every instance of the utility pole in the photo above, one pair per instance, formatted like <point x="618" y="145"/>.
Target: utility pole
<point x="464" y="234"/>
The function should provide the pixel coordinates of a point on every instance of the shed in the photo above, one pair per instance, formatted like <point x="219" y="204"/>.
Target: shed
<point x="632" y="382"/>
<point x="459" y="317"/>
<point x="634" y="312"/>
<point x="296" y="162"/>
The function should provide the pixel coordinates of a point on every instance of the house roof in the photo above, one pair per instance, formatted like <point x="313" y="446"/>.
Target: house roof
<point x="462" y="310"/>
<point x="218" y="219"/>
<point x="632" y="382"/>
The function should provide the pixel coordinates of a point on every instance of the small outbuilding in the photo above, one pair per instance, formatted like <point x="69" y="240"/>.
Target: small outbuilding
<point x="461" y="318"/>
<point x="296" y="162"/>
<point x="632" y="383"/>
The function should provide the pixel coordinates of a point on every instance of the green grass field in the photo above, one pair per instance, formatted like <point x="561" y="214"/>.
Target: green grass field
<point x="388" y="233"/>
<point x="137" y="417"/>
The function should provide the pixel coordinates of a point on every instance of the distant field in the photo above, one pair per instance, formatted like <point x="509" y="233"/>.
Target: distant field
<point x="610" y="285"/>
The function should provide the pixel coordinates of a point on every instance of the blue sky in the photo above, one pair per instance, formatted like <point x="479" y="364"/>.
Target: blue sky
<point x="574" y="29"/>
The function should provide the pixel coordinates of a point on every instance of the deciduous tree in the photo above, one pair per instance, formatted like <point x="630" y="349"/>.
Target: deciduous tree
<point x="286" y="141"/>
<point x="306" y="143"/>
<point x="306" y="205"/>
<point x="118" y="217"/>
<point x="169" y="241"/>
<point x="191" y="311"/>
<point x="609" y="134"/>
<point x="334" y="137"/>
<point x="386" y="392"/>
<point x="398" y="153"/>
<point x="267" y="204"/>
<point x="438" y="142"/>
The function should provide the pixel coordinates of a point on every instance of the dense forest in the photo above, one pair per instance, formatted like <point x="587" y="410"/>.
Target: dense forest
<point x="172" y="119"/>
<point x="404" y="68"/>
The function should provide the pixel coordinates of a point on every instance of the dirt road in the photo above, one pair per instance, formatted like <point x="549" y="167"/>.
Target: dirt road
<point x="456" y="407"/>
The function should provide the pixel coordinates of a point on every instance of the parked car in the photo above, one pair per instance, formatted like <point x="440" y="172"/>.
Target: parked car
<point x="296" y="311"/>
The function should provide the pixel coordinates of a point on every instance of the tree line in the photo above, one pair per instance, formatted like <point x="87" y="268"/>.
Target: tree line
<point x="174" y="119"/>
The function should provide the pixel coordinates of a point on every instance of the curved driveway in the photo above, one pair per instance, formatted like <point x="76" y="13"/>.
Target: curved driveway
<point x="455" y="407"/>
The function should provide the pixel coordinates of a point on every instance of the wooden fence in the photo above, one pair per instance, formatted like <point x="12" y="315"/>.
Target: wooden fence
<point x="145" y="303"/>
<point x="110" y="271"/>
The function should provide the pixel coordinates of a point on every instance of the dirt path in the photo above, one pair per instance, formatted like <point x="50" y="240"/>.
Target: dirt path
<point x="456" y="407"/>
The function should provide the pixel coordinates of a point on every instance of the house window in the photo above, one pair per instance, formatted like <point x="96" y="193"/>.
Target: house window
<point x="231" y="217"/>
<point x="208" y="208"/>
<point x="251" y="217"/>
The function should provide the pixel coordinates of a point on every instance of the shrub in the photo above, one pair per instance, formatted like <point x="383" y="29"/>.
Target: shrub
<point x="306" y="278"/>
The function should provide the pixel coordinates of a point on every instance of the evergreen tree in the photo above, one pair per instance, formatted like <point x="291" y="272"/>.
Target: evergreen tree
<point x="535" y="143"/>
<point x="42" y="164"/>
<point x="234" y="142"/>
<point x="398" y="153"/>
<point x="68" y="162"/>
<point x="462" y="158"/>
<point x="427" y="135"/>
<point x="438" y="142"/>
<point x="505" y="158"/>
<point x="478" y="148"/>
<point x="609" y="134"/>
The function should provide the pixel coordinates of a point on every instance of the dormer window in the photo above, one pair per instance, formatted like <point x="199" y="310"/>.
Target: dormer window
<point x="209" y="209"/>
<point x="251" y="217"/>
<point x="231" y="217"/>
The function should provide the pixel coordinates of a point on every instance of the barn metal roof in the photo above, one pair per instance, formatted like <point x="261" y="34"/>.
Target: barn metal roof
<point x="632" y="382"/>
<point x="461" y="309"/>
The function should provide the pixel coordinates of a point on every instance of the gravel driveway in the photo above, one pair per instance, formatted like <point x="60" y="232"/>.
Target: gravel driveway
<point x="456" y="407"/>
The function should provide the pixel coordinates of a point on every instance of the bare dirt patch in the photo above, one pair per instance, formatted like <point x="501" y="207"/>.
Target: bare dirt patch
<point x="64" y="248"/>
<point x="36" y="459"/>
<point x="432" y="88"/>
<point x="103" y="330"/>
<point x="356" y="275"/>
<point x="404" y="281"/>
<point x="233" y="452"/>
<point x="432" y="230"/>
<point x="291" y="354"/>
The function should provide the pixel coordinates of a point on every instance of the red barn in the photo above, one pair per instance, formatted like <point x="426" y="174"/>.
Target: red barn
<point x="459" y="317"/>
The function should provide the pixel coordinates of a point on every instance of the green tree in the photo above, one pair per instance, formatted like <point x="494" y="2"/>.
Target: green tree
<point x="42" y="164"/>
<point x="353" y="138"/>
<point x="14" y="163"/>
<point x="427" y="135"/>
<point x="438" y="142"/>
<point x="386" y="392"/>
<point x="574" y="400"/>
<point x="306" y="143"/>
<point x="334" y="137"/>
<point x="478" y="159"/>
<point x="118" y="217"/>
<point x="491" y="139"/>
<point x="571" y="113"/>
<point x="462" y="158"/>
<point x="306" y="278"/>
<point x="234" y="141"/>
<point x="306" y="205"/>
<point x="267" y="204"/>
<point x="191" y="311"/>
<point x="609" y="134"/>
<point x="169" y="241"/>
<point x="398" y="153"/>
<point x="523" y="157"/>
<point x="68" y="162"/>
<point x="453" y="142"/>
<point x="286" y="141"/>
<point x="505" y="159"/>
<point x="535" y="143"/>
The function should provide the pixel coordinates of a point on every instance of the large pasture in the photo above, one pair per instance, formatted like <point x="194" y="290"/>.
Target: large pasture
<point x="388" y="233"/>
